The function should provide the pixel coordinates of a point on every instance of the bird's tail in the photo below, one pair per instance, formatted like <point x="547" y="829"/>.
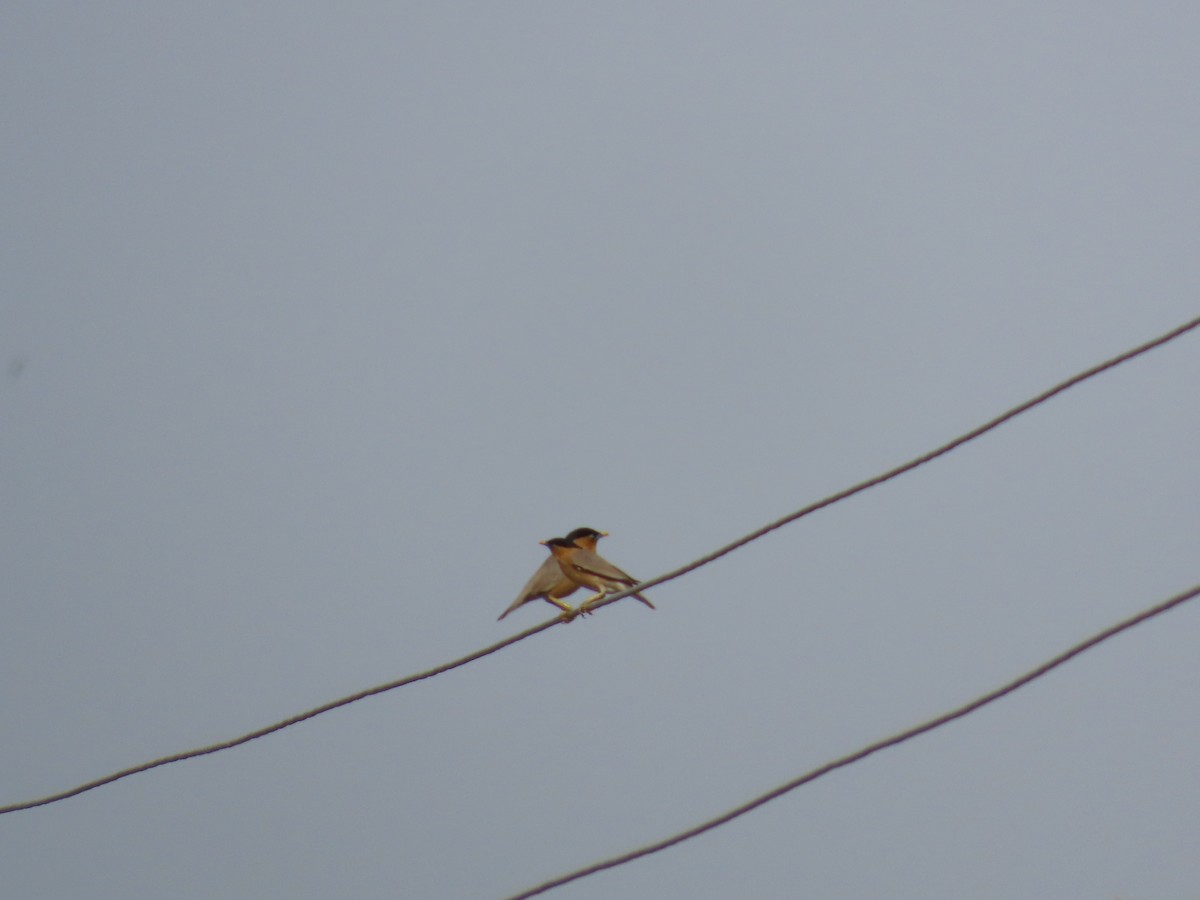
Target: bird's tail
<point x="644" y="600"/>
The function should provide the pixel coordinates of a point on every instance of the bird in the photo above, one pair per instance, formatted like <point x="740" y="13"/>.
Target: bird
<point x="550" y="583"/>
<point x="589" y="569"/>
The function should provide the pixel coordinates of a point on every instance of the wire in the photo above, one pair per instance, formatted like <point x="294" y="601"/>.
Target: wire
<point x="910" y="465"/>
<point x="612" y="598"/>
<point x="278" y="726"/>
<point x="866" y="751"/>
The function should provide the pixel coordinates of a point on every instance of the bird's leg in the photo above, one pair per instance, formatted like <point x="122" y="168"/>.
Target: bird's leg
<point x="568" y="612"/>
<point x="585" y="608"/>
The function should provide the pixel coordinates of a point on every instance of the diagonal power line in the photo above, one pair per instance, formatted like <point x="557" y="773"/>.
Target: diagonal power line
<point x="912" y="463"/>
<point x="669" y="576"/>
<point x="278" y="726"/>
<point x="868" y="750"/>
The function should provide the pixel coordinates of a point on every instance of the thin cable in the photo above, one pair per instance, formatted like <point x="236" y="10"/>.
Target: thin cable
<point x="870" y="749"/>
<point x="911" y="464"/>
<point x="612" y="598"/>
<point x="278" y="726"/>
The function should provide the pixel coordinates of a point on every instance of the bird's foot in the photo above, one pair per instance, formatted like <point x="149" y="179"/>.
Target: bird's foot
<point x="585" y="608"/>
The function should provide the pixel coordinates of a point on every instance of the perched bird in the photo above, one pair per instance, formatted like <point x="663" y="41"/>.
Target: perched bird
<point x="550" y="583"/>
<point x="588" y="568"/>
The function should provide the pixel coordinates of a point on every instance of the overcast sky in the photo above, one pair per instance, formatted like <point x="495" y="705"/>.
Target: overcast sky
<point x="316" y="318"/>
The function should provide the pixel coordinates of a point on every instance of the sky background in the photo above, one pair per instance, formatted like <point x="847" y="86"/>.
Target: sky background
<point x="315" y="318"/>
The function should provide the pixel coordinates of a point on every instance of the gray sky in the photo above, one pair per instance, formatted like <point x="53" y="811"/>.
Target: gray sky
<point x="317" y="318"/>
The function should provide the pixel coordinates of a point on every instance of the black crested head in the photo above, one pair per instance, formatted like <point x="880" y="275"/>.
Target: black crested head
<point x="557" y="542"/>
<point x="585" y="533"/>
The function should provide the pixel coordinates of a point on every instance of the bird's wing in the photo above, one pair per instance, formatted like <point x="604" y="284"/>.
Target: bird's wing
<point x="596" y="564"/>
